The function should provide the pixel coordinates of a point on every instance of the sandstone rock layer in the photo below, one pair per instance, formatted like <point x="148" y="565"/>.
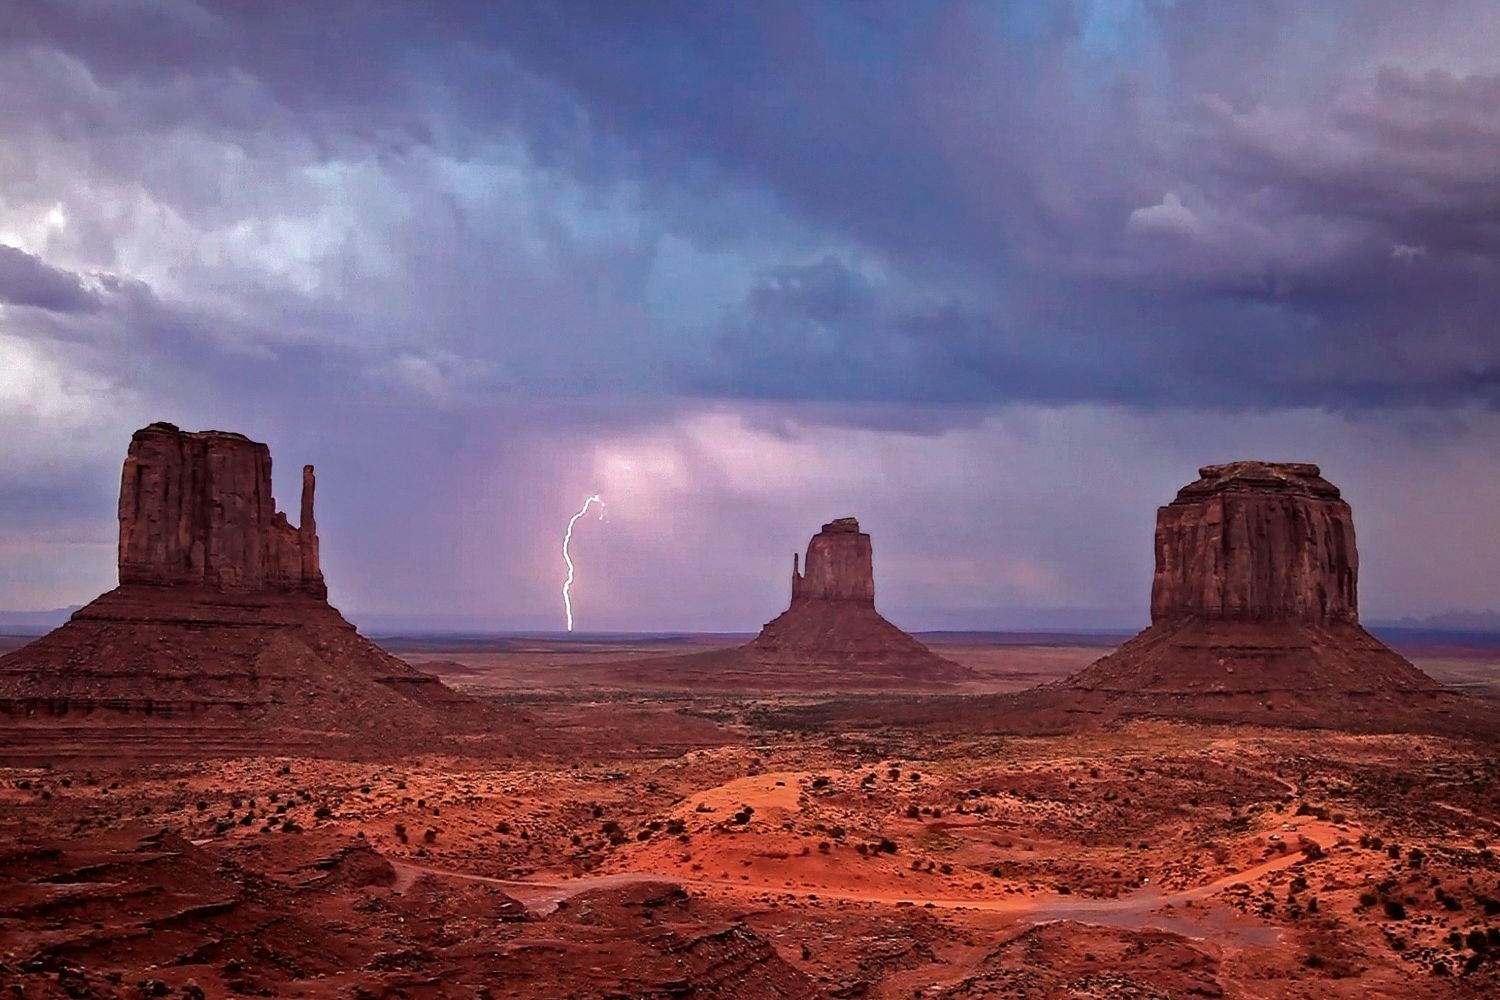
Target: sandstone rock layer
<point x="832" y="621"/>
<point x="219" y="638"/>
<point x="830" y="638"/>
<point x="1256" y="541"/>
<point x="196" y="508"/>
<point x="1255" y="613"/>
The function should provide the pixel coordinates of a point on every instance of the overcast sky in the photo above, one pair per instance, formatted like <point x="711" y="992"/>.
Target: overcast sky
<point x="995" y="278"/>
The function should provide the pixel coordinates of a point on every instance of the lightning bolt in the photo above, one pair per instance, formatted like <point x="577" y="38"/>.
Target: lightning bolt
<point x="568" y="537"/>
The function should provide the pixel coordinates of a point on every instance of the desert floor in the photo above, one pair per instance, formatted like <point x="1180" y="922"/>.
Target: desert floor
<point x="664" y="844"/>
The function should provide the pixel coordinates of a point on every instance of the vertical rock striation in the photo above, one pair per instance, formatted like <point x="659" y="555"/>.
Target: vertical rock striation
<point x="1256" y="541"/>
<point x="839" y="567"/>
<point x="1255" y="613"/>
<point x="832" y="631"/>
<point x="220" y="638"/>
<point x="196" y="508"/>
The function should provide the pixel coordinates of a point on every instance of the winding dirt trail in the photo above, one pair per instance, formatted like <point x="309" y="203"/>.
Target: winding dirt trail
<point x="1144" y="908"/>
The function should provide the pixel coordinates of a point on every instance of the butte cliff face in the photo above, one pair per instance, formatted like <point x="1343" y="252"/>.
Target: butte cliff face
<point x="832" y="626"/>
<point x="220" y="638"/>
<point x="1256" y="541"/>
<point x="196" y="509"/>
<point x="1255" y="612"/>
<point x="840" y="566"/>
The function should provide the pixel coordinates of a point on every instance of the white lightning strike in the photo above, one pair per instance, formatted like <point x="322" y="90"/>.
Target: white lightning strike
<point x="568" y="537"/>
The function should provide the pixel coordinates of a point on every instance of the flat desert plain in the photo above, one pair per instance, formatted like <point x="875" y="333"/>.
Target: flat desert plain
<point x="663" y="843"/>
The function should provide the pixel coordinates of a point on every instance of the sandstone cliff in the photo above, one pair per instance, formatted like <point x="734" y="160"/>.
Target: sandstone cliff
<point x="1253" y="541"/>
<point x="832" y="621"/>
<point x="220" y="638"/>
<point x="196" y="508"/>
<point x="840" y="566"/>
<point x="1255" y="612"/>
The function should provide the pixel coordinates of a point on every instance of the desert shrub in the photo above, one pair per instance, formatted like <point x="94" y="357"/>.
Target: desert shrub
<point x="322" y="812"/>
<point x="837" y="832"/>
<point x="886" y="846"/>
<point x="821" y="781"/>
<point x="1367" y="899"/>
<point x="912" y="812"/>
<point x="1393" y="852"/>
<point x="824" y="847"/>
<point x="1395" y="909"/>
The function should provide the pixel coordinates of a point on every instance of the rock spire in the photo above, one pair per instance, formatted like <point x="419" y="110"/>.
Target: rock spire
<point x="220" y="639"/>
<point x="839" y="566"/>
<point x="196" y="508"/>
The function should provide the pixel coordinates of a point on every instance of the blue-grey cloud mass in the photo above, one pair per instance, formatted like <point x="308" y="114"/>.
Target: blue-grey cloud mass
<point x="995" y="277"/>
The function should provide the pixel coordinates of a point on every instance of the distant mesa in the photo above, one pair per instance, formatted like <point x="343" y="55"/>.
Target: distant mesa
<point x="220" y="638"/>
<point x="1255" y="612"/>
<point x="830" y="638"/>
<point x="1254" y="620"/>
<point x="832" y="621"/>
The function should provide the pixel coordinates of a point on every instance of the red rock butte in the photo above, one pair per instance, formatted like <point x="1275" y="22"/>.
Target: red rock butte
<point x="830" y="638"/>
<point x="220" y="638"/>
<point x="1255" y="611"/>
<point x="832" y="623"/>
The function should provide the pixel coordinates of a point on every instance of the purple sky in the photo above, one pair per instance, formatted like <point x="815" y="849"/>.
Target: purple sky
<point x="994" y="278"/>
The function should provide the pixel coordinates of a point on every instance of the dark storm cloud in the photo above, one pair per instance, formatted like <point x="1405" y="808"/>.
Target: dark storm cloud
<point x="27" y="280"/>
<point x="1063" y="205"/>
<point x="419" y="243"/>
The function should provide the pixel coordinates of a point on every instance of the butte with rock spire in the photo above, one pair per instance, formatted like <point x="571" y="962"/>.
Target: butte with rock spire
<point x="220" y="638"/>
<point x="830" y="638"/>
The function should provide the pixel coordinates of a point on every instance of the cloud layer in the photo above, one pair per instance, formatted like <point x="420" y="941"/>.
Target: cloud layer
<point x="436" y="246"/>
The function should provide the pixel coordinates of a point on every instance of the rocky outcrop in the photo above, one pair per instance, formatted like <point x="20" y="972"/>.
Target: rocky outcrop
<point x="196" y="508"/>
<point x="1255" y="614"/>
<point x="1256" y="541"/>
<point x="220" y="637"/>
<point x="840" y="566"/>
<point x="832" y="624"/>
<point x="830" y="638"/>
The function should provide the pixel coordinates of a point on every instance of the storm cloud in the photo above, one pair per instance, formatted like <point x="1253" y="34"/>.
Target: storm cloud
<point x="424" y="244"/>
